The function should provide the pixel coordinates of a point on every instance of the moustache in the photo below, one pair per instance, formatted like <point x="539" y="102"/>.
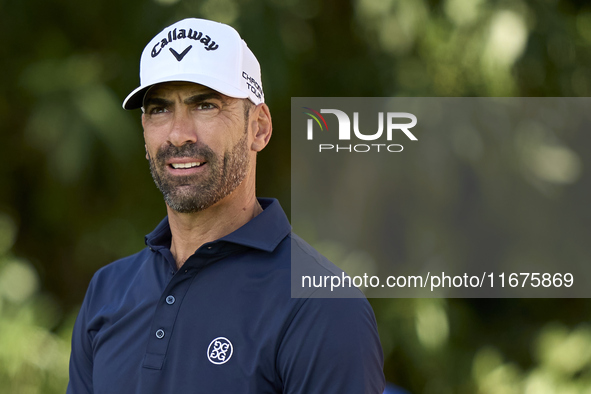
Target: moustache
<point x="200" y="152"/>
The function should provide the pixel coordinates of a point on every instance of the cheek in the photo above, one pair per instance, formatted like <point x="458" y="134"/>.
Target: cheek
<point x="151" y="149"/>
<point x="148" y="144"/>
<point x="214" y="135"/>
<point x="153" y="140"/>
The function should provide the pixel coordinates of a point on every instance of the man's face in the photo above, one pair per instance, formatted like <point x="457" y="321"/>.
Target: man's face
<point x="196" y="142"/>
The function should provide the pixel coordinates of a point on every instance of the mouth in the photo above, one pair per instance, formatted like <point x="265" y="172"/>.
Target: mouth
<point x="182" y="166"/>
<point x="186" y="167"/>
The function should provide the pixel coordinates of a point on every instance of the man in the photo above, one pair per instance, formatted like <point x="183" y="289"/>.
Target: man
<point x="206" y="307"/>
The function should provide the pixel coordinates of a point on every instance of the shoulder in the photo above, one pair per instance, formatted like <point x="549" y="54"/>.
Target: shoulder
<point x="114" y="277"/>
<point x="123" y="265"/>
<point x="326" y="304"/>
<point x="313" y="275"/>
<point x="304" y="253"/>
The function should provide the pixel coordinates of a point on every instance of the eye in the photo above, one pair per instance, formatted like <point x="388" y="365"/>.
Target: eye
<point x="157" y="110"/>
<point x="206" y="106"/>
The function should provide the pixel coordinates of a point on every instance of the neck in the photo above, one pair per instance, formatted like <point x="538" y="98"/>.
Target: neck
<point x="191" y="230"/>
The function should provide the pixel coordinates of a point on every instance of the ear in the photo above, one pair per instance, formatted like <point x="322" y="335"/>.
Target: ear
<point x="262" y="127"/>
<point x="143" y="120"/>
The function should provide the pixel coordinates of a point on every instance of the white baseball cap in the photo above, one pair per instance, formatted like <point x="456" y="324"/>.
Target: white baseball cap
<point x="200" y="51"/>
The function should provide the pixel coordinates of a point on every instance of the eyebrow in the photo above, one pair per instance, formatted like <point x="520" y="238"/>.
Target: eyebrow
<point x="158" y="101"/>
<point x="162" y="102"/>
<point x="204" y="97"/>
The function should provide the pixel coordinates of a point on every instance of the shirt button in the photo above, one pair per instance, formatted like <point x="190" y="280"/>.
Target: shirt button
<point x="170" y="300"/>
<point x="160" y="334"/>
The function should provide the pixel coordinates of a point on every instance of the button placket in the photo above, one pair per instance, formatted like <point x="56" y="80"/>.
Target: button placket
<point x="164" y="320"/>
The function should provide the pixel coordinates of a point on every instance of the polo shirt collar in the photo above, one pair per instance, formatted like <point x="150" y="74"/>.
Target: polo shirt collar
<point x="263" y="232"/>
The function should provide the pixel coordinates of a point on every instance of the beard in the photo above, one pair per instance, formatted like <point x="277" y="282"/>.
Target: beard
<point x="197" y="192"/>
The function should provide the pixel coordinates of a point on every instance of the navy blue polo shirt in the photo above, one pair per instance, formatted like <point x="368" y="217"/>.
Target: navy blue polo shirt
<point x="224" y="323"/>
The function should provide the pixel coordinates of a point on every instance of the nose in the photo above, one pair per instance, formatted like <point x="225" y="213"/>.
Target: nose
<point x="183" y="130"/>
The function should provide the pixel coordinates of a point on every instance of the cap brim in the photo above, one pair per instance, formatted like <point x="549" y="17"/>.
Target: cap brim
<point x="135" y="99"/>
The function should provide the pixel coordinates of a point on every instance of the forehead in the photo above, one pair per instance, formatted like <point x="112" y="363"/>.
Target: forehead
<point x="183" y="89"/>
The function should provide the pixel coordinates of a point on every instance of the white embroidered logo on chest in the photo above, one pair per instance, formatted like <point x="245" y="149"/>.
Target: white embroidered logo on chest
<point x="220" y="350"/>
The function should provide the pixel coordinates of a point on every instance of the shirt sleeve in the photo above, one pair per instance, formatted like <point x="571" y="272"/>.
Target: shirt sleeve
<point x="81" y="355"/>
<point x="332" y="346"/>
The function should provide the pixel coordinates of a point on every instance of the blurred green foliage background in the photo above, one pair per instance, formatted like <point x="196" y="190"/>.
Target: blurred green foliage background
<point x="76" y="191"/>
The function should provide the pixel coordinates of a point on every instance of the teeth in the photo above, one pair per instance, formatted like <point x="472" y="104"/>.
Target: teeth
<point x="186" y="165"/>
